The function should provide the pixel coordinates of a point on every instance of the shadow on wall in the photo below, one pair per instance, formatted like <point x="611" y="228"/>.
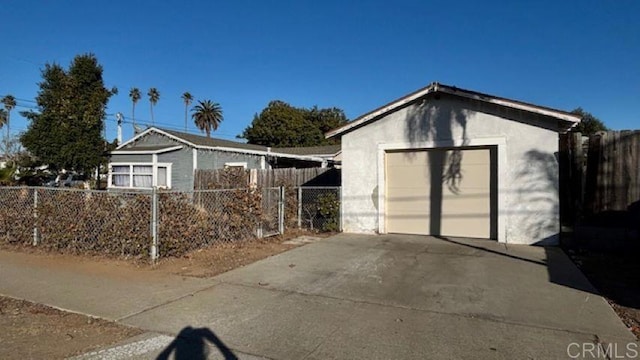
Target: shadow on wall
<point x="433" y="120"/>
<point x="538" y="193"/>
<point x="193" y="344"/>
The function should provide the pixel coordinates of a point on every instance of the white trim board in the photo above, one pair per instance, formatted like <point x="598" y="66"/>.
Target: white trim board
<point x="194" y="160"/>
<point x="146" y="152"/>
<point x="154" y="129"/>
<point x="499" y="142"/>
<point x="242" y="164"/>
<point x="154" y="169"/>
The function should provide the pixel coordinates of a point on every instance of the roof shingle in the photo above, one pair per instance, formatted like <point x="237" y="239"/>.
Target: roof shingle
<point x="309" y="150"/>
<point x="213" y="142"/>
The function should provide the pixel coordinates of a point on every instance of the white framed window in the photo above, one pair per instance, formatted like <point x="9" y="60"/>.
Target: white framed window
<point x="139" y="175"/>
<point x="241" y="165"/>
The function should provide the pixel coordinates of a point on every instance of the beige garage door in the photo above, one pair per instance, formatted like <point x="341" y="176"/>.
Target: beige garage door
<point x="439" y="192"/>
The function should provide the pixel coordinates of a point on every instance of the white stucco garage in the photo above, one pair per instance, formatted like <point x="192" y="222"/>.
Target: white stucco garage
<point x="445" y="161"/>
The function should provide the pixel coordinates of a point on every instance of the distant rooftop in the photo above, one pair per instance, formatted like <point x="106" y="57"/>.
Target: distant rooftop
<point x="200" y="140"/>
<point x="310" y="150"/>
<point x="214" y="142"/>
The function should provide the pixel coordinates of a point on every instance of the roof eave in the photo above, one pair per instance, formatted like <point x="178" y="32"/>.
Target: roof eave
<point x="570" y="119"/>
<point x="263" y="153"/>
<point x="366" y="118"/>
<point x="159" y="131"/>
<point x="561" y="115"/>
<point x="145" y="152"/>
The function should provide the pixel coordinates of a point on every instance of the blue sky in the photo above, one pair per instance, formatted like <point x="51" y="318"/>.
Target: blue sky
<point x="352" y="55"/>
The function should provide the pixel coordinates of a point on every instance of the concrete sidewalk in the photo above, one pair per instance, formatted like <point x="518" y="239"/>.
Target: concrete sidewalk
<point x="87" y="289"/>
<point x="352" y="297"/>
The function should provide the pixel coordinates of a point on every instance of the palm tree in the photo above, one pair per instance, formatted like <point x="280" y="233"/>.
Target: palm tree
<point x="3" y="117"/>
<point x="135" y="96"/>
<point x="207" y="116"/>
<point x="188" y="99"/>
<point x="154" y="96"/>
<point x="9" y="103"/>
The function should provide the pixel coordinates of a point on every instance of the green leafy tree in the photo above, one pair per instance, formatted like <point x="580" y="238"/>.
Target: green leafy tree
<point x="281" y="124"/>
<point x="66" y="130"/>
<point x="589" y="124"/>
<point x="188" y="99"/>
<point x="135" y="96"/>
<point x="207" y="116"/>
<point x="9" y="103"/>
<point x="154" y="96"/>
<point x="326" y="119"/>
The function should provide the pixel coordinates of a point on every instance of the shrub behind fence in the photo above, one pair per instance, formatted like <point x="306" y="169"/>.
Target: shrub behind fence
<point x="16" y="216"/>
<point x="318" y="208"/>
<point x="137" y="224"/>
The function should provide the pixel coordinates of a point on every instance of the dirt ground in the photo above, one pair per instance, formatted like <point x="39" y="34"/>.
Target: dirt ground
<point x="617" y="277"/>
<point x="34" y="331"/>
<point x="224" y="257"/>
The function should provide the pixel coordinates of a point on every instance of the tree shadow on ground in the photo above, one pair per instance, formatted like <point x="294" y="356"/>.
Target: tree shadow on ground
<point x="193" y="343"/>
<point x="560" y="268"/>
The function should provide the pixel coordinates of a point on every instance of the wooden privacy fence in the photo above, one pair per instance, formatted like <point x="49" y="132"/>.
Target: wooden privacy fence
<point x="234" y="178"/>
<point x="600" y="178"/>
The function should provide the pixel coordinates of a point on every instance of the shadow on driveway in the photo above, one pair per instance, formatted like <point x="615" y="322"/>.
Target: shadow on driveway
<point x="191" y="343"/>
<point x="560" y="268"/>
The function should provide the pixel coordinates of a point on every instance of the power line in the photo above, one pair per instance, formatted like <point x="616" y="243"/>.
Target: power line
<point x="27" y="106"/>
<point x="126" y="119"/>
<point x="21" y="99"/>
<point x="170" y="127"/>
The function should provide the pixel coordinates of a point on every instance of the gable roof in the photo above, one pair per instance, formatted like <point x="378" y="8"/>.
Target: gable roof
<point x="213" y="142"/>
<point x="566" y="119"/>
<point x="312" y="153"/>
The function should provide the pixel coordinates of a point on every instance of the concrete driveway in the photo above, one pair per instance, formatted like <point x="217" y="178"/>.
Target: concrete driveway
<point x="397" y="297"/>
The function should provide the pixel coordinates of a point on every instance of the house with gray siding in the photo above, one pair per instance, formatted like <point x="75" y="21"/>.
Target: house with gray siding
<point x="168" y="159"/>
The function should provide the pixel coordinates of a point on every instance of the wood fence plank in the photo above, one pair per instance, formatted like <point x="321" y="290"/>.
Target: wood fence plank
<point x="591" y="181"/>
<point x="290" y="177"/>
<point x="612" y="178"/>
<point x="564" y="159"/>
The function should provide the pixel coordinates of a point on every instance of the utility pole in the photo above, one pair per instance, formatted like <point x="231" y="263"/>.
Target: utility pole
<point x="119" y="118"/>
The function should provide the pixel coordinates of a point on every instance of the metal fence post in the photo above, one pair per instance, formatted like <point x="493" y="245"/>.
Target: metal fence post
<point x="281" y="211"/>
<point x="265" y="194"/>
<point x="340" y="209"/>
<point x="35" y="217"/>
<point x="154" y="224"/>
<point x="299" y="207"/>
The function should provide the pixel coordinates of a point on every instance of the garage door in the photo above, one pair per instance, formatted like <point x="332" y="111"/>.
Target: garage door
<point x="439" y="192"/>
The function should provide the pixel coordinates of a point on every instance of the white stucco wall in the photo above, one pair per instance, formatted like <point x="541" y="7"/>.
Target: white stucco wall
<point x="528" y="175"/>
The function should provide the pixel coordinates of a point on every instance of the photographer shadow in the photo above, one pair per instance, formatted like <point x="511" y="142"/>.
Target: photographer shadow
<point x="192" y="343"/>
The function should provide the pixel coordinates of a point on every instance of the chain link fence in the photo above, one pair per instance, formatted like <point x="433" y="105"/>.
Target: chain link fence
<point x="319" y="208"/>
<point x="17" y="215"/>
<point x="192" y="220"/>
<point x="157" y="223"/>
<point x="76" y="221"/>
